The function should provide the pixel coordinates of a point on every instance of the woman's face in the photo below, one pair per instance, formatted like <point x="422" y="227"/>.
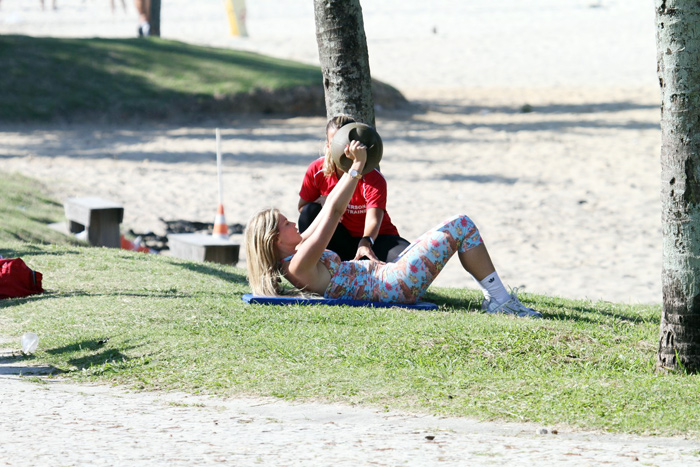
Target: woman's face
<point x="288" y="234"/>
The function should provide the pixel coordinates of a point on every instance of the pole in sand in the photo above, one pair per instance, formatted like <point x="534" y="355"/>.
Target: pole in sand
<point x="220" y="227"/>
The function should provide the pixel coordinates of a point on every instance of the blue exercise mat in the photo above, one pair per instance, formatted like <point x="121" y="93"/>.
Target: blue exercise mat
<point x="262" y="300"/>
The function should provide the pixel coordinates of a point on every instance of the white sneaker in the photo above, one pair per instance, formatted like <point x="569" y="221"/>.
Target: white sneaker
<point x="511" y="306"/>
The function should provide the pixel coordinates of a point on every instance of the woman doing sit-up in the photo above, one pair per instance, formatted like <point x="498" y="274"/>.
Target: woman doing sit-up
<point x="274" y="248"/>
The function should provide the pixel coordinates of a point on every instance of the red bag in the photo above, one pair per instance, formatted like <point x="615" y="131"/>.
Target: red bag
<point x="17" y="280"/>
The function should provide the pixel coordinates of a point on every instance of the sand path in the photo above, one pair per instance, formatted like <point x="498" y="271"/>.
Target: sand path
<point x="49" y="422"/>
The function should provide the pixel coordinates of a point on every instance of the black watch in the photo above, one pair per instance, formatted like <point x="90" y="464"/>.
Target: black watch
<point x="369" y="239"/>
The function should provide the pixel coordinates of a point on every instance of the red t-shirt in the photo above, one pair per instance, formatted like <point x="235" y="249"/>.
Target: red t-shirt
<point x="369" y="193"/>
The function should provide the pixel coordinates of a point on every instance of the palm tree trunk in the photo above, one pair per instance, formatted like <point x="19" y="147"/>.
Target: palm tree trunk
<point x="678" y="52"/>
<point x="342" y="48"/>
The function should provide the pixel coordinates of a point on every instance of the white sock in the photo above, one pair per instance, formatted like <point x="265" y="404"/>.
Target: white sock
<point x="494" y="289"/>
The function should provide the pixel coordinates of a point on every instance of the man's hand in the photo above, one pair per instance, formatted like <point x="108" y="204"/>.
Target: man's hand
<point x="364" y="249"/>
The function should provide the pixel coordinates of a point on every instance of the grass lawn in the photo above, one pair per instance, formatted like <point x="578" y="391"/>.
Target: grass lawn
<point x="25" y="211"/>
<point x="50" y="78"/>
<point x="157" y="323"/>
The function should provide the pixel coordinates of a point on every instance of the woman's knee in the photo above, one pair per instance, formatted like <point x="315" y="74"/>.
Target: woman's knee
<point x="471" y="237"/>
<point x="465" y="220"/>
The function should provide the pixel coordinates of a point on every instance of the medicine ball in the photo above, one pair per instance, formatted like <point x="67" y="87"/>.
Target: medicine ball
<point x="364" y="133"/>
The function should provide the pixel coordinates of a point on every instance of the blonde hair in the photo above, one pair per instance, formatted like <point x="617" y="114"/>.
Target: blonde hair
<point x="334" y="123"/>
<point x="264" y="274"/>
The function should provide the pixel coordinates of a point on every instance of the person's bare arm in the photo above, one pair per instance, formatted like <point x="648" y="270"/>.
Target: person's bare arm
<point x="373" y="221"/>
<point x="303" y="265"/>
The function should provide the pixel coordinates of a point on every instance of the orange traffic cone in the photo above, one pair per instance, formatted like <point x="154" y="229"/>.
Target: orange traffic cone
<point x="220" y="227"/>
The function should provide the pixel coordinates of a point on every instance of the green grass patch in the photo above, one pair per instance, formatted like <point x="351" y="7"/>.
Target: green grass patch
<point x="47" y="78"/>
<point x="26" y="211"/>
<point x="157" y="323"/>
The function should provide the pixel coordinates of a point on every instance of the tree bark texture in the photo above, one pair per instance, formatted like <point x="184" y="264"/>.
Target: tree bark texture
<point x="342" y="49"/>
<point x="678" y="58"/>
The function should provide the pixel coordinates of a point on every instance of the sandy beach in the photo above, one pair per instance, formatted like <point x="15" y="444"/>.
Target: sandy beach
<point x="566" y="196"/>
<point x="567" y="200"/>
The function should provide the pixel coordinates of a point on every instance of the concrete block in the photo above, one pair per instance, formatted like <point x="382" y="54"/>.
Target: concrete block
<point x="99" y="217"/>
<point x="202" y="247"/>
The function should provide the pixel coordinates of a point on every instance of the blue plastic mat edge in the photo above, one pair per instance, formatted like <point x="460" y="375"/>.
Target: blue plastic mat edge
<point x="261" y="300"/>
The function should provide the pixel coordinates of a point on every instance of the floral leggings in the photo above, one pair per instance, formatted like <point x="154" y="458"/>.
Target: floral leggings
<point x="407" y="279"/>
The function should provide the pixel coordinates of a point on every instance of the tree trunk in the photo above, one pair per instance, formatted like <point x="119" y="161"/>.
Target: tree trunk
<point x="155" y="18"/>
<point x="678" y="51"/>
<point x="342" y="50"/>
